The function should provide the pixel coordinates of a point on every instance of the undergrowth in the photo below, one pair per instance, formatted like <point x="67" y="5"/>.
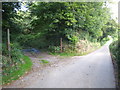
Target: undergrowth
<point x="15" y="66"/>
<point x="13" y="73"/>
<point x="115" y="52"/>
<point x="83" y="47"/>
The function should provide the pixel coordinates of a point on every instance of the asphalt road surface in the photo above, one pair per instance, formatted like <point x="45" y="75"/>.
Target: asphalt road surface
<point x="94" y="70"/>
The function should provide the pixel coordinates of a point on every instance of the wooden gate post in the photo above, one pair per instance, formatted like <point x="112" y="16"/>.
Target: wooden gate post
<point x="8" y="37"/>
<point x="61" y="45"/>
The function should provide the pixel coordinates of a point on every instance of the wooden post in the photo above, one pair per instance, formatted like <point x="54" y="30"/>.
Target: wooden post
<point x="61" y="45"/>
<point x="8" y="37"/>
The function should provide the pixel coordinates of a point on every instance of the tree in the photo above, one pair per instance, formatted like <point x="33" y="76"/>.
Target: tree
<point x="8" y="14"/>
<point x="69" y="20"/>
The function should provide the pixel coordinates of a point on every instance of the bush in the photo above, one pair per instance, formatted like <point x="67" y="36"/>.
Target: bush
<point x="15" y="53"/>
<point x="80" y="48"/>
<point x="115" y="51"/>
<point x="104" y="40"/>
<point x="54" y="48"/>
<point x="114" y="48"/>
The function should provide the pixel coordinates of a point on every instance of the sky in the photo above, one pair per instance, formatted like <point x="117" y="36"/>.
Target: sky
<point x="23" y="8"/>
<point x="114" y="9"/>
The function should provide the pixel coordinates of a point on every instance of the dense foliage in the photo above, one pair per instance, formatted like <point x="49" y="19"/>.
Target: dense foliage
<point x="115" y="52"/>
<point x="8" y="15"/>
<point x="71" y="21"/>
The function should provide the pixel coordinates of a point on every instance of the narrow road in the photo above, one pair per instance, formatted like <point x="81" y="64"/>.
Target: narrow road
<point x="94" y="70"/>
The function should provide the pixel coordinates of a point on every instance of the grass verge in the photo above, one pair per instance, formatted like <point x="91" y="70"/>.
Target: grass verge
<point x="67" y="54"/>
<point x="16" y="74"/>
<point x="44" y="61"/>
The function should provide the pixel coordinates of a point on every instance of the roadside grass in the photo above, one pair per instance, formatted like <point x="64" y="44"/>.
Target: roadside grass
<point x="16" y="74"/>
<point x="44" y="61"/>
<point x="67" y="54"/>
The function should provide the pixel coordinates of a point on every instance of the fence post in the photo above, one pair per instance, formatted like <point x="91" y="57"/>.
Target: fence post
<point x="8" y="37"/>
<point x="61" y="45"/>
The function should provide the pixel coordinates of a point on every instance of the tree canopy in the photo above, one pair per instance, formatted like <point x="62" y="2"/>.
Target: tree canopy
<point x="47" y="22"/>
